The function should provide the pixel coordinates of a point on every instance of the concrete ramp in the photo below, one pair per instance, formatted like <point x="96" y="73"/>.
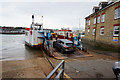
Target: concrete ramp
<point x="33" y="68"/>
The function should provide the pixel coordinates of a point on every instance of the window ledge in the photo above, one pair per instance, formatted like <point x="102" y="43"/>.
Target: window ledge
<point x="102" y="22"/>
<point x="116" y="18"/>
<point x="115" y="36"/>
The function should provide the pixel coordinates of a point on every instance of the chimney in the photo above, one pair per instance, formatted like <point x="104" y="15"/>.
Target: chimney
<point x="102" y="5"/>
<point x="112" y="1"/>
<point x="95" y="9"/>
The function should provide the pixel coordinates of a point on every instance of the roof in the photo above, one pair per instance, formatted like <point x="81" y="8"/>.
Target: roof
<point x="66" y="40"/>
<point x="102" y="9"/>
<point x="65" y="30"/>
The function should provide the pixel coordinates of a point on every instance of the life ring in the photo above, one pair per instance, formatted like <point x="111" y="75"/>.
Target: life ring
<point x="31" y="32"/>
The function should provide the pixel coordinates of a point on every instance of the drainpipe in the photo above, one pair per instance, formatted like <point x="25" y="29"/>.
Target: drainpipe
<point x="95" y="28"/>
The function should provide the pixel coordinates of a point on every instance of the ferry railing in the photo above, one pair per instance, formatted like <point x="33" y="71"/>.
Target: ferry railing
<point x="60" y="74"/>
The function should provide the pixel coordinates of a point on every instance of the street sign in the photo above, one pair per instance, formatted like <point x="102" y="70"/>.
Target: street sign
<point x="115" y="39"/>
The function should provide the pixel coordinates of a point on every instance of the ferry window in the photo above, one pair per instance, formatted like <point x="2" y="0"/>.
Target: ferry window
<point x="95" y="20"/>
<point x="98" y="19"/>
<point x="116" y="31"/>
<point x="103" y="18"/>
<point x="102" y="31"/>
<point x="117" y="13"/>
<point x="93" y="31"/>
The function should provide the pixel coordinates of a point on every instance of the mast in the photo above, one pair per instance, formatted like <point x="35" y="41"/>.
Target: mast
<point x="32" y="19"/>
<point x="33" y="22"/>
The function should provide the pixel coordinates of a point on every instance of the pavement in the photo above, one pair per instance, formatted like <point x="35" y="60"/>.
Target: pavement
<point x="32" y="68"/>
<point x="92" y="67"/>
<point x="98" y="66"/>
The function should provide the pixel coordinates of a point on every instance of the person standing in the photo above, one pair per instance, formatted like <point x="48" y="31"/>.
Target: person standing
<point x="56" y="36"/>
<point x="67" y="35"/>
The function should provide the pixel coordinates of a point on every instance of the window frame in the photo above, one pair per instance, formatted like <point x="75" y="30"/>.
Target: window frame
<point x="117" y="13"/>
<point x="103" y="18"/>
<point x="94" y="20"/>
<point x="93" y="31"/>
<point x="88" y="31"/>
<point x="98" y="19"/>
<point x="116" y="30"/>
<point x="88" y="22"/>
<point x="102" y="28"/>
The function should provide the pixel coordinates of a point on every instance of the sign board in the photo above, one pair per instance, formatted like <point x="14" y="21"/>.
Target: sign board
<point x="75" y="42"/>
<point x="115" y="39"/>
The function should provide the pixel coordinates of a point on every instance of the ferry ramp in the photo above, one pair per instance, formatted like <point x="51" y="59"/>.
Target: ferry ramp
<point x="55" y="53"/>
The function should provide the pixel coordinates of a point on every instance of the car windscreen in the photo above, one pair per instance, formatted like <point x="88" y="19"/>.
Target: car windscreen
<point x="69" y="44"/>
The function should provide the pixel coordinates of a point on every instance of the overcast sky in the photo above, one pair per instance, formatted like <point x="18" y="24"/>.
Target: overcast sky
<point x="56" y="14"/>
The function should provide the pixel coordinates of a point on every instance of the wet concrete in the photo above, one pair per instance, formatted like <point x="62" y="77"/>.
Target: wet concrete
<point x="98" y="66"/>
<point x="90" y="69"/>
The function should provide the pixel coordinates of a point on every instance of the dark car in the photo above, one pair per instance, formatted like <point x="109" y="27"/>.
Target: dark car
<point x="64" y="45"/>
<point x="116" y="70"/>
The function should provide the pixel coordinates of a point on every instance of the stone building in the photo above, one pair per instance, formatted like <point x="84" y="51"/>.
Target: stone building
<point x="103" y="25"/>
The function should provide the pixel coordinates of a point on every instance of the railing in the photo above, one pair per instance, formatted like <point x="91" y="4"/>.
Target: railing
<point x="60" y="74"/>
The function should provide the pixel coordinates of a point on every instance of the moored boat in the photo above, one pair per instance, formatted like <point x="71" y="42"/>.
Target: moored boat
<point x="34" y="35"/>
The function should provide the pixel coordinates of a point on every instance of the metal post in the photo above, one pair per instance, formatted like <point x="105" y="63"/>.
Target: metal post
<point x="62" y="76"/>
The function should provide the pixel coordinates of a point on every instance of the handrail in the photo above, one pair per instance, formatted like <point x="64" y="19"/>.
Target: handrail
<point x="55" y="69"/>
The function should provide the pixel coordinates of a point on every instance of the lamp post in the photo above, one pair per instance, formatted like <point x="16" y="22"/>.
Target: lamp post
<point x="42" y="22"/>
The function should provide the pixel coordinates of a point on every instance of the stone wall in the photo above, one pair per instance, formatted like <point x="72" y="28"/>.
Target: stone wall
<point x="99" y="45"/>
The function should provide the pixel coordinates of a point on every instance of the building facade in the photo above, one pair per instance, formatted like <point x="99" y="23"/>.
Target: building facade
<point x="12" y="30"/>
<point x="103" y="25"/>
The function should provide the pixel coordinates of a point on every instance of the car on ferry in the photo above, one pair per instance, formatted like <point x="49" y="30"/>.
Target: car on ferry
<point x="64" y="45"/>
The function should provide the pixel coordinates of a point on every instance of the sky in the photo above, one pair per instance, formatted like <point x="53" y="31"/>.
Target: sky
<point x="56" y="14"/>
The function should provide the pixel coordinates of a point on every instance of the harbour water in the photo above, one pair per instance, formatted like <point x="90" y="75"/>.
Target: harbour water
<point x="13" y="48"/>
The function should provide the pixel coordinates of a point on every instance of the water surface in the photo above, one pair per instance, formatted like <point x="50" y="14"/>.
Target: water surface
<point x="13" y="48"/>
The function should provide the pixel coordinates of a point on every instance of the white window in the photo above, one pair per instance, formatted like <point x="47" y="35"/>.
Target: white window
<point x="98" y="19"/>
<point x="117" y="13"/>
<point x="93" y="31"/>
<point x="88" y="22"/>
<point x="102" y="31"/>
<point x="94" y="20"/>
<point x="116" y="31"/>
<point x="88" y="31"/>
<point x="103" y="18"/>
